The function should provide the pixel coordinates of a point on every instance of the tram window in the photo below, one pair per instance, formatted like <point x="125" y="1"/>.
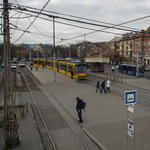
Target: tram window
<point x="62" y="67"/>
<point x="69" y="68"/>
<point x="81" y="69"/>
<point x="51" y="64"/>
<point x="41" y="62"/>
<point x="35" y="61"/>
<point x="48" y="63"/>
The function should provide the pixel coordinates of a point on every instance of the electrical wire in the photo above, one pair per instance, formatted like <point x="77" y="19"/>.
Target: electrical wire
<point x="79" y="26"/>
<point x="78" y="17"/>
<point x="78" y="21"/>
<point x="33" y="21"/>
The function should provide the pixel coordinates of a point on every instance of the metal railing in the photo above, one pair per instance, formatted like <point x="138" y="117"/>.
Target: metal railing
<point x="147" y="76"/>
<point x="114" y="77"/>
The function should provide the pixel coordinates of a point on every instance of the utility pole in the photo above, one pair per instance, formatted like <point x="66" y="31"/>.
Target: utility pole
<point x="10" y="131"/>
<point x="137" y="67"/>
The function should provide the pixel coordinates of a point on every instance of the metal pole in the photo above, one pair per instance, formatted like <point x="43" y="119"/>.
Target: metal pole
<point x="37" y="51"/>
<point x="54" y="47"/>
<point x="100" y="52"/>
<point x="127" y="127"/>
<point x="137" y="67"/>
<point x="70" y="53"/>
<point x="58" y="54"/>
<point x="134" y="124"/>
<point x="30" y="55"/>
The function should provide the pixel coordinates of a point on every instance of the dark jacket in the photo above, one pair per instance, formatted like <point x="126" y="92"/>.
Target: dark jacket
<point x="79" y="105"/>
<point x="103" y="84"/>
<point x="97" y="84"/>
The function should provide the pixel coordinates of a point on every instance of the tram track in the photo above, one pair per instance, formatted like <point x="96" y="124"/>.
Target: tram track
<point x="44" y="119"/>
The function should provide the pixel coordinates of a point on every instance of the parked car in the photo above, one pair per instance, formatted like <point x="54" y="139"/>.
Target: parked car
<point x="21" y="64"/>
<point x="147" y="68"/>
<point x="13" y="66"/>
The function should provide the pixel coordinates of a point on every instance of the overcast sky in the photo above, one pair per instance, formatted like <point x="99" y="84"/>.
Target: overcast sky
<point x="109" y="11"/>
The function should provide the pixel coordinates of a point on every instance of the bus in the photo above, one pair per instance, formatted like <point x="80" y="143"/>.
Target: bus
<point x="131" y="70"/>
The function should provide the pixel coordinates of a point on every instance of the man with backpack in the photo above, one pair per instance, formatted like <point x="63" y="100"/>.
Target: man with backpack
<point x="79" y="109"/>
<point x="103" y="86"/>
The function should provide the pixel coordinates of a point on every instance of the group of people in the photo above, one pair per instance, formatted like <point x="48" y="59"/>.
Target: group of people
<point x="31" y="67"/>
<point x="103" y="86"/>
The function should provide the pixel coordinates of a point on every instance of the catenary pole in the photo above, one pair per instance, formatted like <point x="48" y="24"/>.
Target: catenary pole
<point x="10" y="133"/>
<point x="54" y="48"/>
<point x="137" y="67"/>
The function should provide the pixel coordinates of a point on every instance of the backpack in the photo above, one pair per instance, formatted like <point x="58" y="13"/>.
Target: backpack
<point x="83" y="105"/>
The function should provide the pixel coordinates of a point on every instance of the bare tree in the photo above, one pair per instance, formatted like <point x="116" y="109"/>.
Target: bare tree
<point x="63" y="51"/>
<point x="84" y="50"/>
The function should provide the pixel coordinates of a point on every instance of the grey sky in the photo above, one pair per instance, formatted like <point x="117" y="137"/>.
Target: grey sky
<point x="111" y="11"/>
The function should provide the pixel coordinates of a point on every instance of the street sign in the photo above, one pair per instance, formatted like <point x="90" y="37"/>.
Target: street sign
<point x="130" y="128"/>
<point x="130" y="97"/>
<point x="140" y="54"/>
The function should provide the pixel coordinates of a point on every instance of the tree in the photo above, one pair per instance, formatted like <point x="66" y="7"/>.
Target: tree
<point x="115" y="56"/>
<point x="73" y="50"/>
<point x="63" y="51"/>
<point x="84" y="50"/>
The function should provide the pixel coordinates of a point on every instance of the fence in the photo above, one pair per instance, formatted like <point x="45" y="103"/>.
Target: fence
<point x="114" y="77"/>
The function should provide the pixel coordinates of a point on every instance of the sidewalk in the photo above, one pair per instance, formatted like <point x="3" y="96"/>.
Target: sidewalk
<point x="105" y="117"/>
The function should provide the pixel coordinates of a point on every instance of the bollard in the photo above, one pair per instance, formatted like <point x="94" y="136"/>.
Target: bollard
<point x="114" y="77"/>
<point x="121" y="79"/>
<point x="26" y="106"/>
<point x="23" y="112"/>
<point x="107" y="75"/>
<point x="117" y="78"/>
<point x="110" y="76"/>
<point x="125" y="80"/>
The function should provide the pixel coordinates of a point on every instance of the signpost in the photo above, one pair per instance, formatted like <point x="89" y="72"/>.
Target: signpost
<point x="130" y="98"/>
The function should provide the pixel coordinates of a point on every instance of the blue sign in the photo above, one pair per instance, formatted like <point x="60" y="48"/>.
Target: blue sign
<point x="130" y="97"/>
<point x="140" y="54"/>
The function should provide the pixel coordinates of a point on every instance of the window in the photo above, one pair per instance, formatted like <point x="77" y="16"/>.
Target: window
<point x="148" y="42"/>
<point x="149" y="51"/>
<point x="127" y="48"/>
<point x="126" y="53"/>
<point x="127" y="43"/>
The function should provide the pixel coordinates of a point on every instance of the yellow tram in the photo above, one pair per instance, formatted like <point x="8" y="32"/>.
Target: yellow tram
<point x="65" y="67"/>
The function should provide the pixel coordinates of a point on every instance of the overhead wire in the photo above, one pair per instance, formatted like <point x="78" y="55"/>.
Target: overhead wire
<point x="30" y="22"/>
<point x="78" y="26"/>
<point x="78" y="21"/>
<point x="104" y="26"/>
<point x="78" y="17"/>
<point x="33" y="20"/>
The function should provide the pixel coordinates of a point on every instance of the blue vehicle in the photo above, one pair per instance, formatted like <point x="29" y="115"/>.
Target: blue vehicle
<point x="131" y="70"/>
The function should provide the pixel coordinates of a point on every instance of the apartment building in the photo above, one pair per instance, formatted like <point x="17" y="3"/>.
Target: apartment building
<point x="126" y="49"/>
<point x="143" y="38"/>
<point x="128" y="46"/>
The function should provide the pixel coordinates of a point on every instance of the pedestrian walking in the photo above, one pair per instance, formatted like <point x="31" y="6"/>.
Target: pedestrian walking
<point x="103" y="87"/>
<point x="97" y="86"/>
<point x="72" y="74"/>
<point x="79" y="109"/>
<point x="31" y="67"/>
<point x="108" y="85"/>
<point x="36" y="67"/>
<point x="43" y="66"/>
